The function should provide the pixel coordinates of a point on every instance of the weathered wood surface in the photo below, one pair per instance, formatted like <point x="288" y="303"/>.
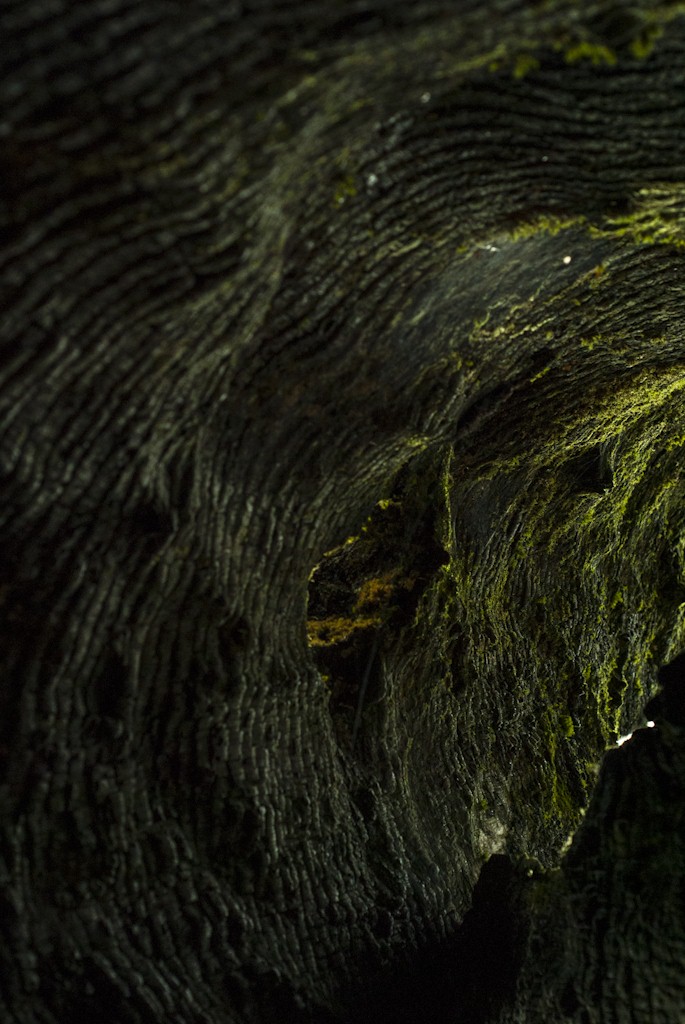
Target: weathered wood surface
<point x="341" y="429"/>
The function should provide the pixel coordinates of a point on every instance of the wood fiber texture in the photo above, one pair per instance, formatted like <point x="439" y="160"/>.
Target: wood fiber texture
<point x="341" y="511"/>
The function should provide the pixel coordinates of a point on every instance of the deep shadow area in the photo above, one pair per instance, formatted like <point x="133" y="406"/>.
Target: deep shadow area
<point x="669" y="704"/>
<point x="466" y="977"/>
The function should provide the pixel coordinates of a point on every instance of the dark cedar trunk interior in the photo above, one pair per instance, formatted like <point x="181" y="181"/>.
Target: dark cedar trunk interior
<point x="341" y="512"/>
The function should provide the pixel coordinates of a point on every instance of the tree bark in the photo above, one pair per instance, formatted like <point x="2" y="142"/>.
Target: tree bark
<point x="341" y="427"/>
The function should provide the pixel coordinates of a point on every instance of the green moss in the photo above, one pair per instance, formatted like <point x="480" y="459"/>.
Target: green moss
<point x="597" y="53"/>
<point x="543" y="373"/>
<point x="417" y="443"/>
<point x="524" y="64"/>
<point x="550" y="608"/>
<point x="656" y="219"/>
<point x="643" y="45"/>
<point x="542" y="225"/>
<point x="345" y="190"/>
<point x="564" y="808"/>
<point x="563" y="630"/>
<point x="597" y="275"/>
<point x="567" y="727"/>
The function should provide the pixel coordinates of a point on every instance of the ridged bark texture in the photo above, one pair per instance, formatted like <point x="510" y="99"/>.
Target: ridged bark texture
<point x="341" y="511"/>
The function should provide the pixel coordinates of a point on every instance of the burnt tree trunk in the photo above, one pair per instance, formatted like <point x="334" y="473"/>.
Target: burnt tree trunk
<point x="342" y="530"/>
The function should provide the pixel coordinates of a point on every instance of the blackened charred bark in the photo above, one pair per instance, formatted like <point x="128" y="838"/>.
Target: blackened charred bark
<point x="341" y="371"/>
